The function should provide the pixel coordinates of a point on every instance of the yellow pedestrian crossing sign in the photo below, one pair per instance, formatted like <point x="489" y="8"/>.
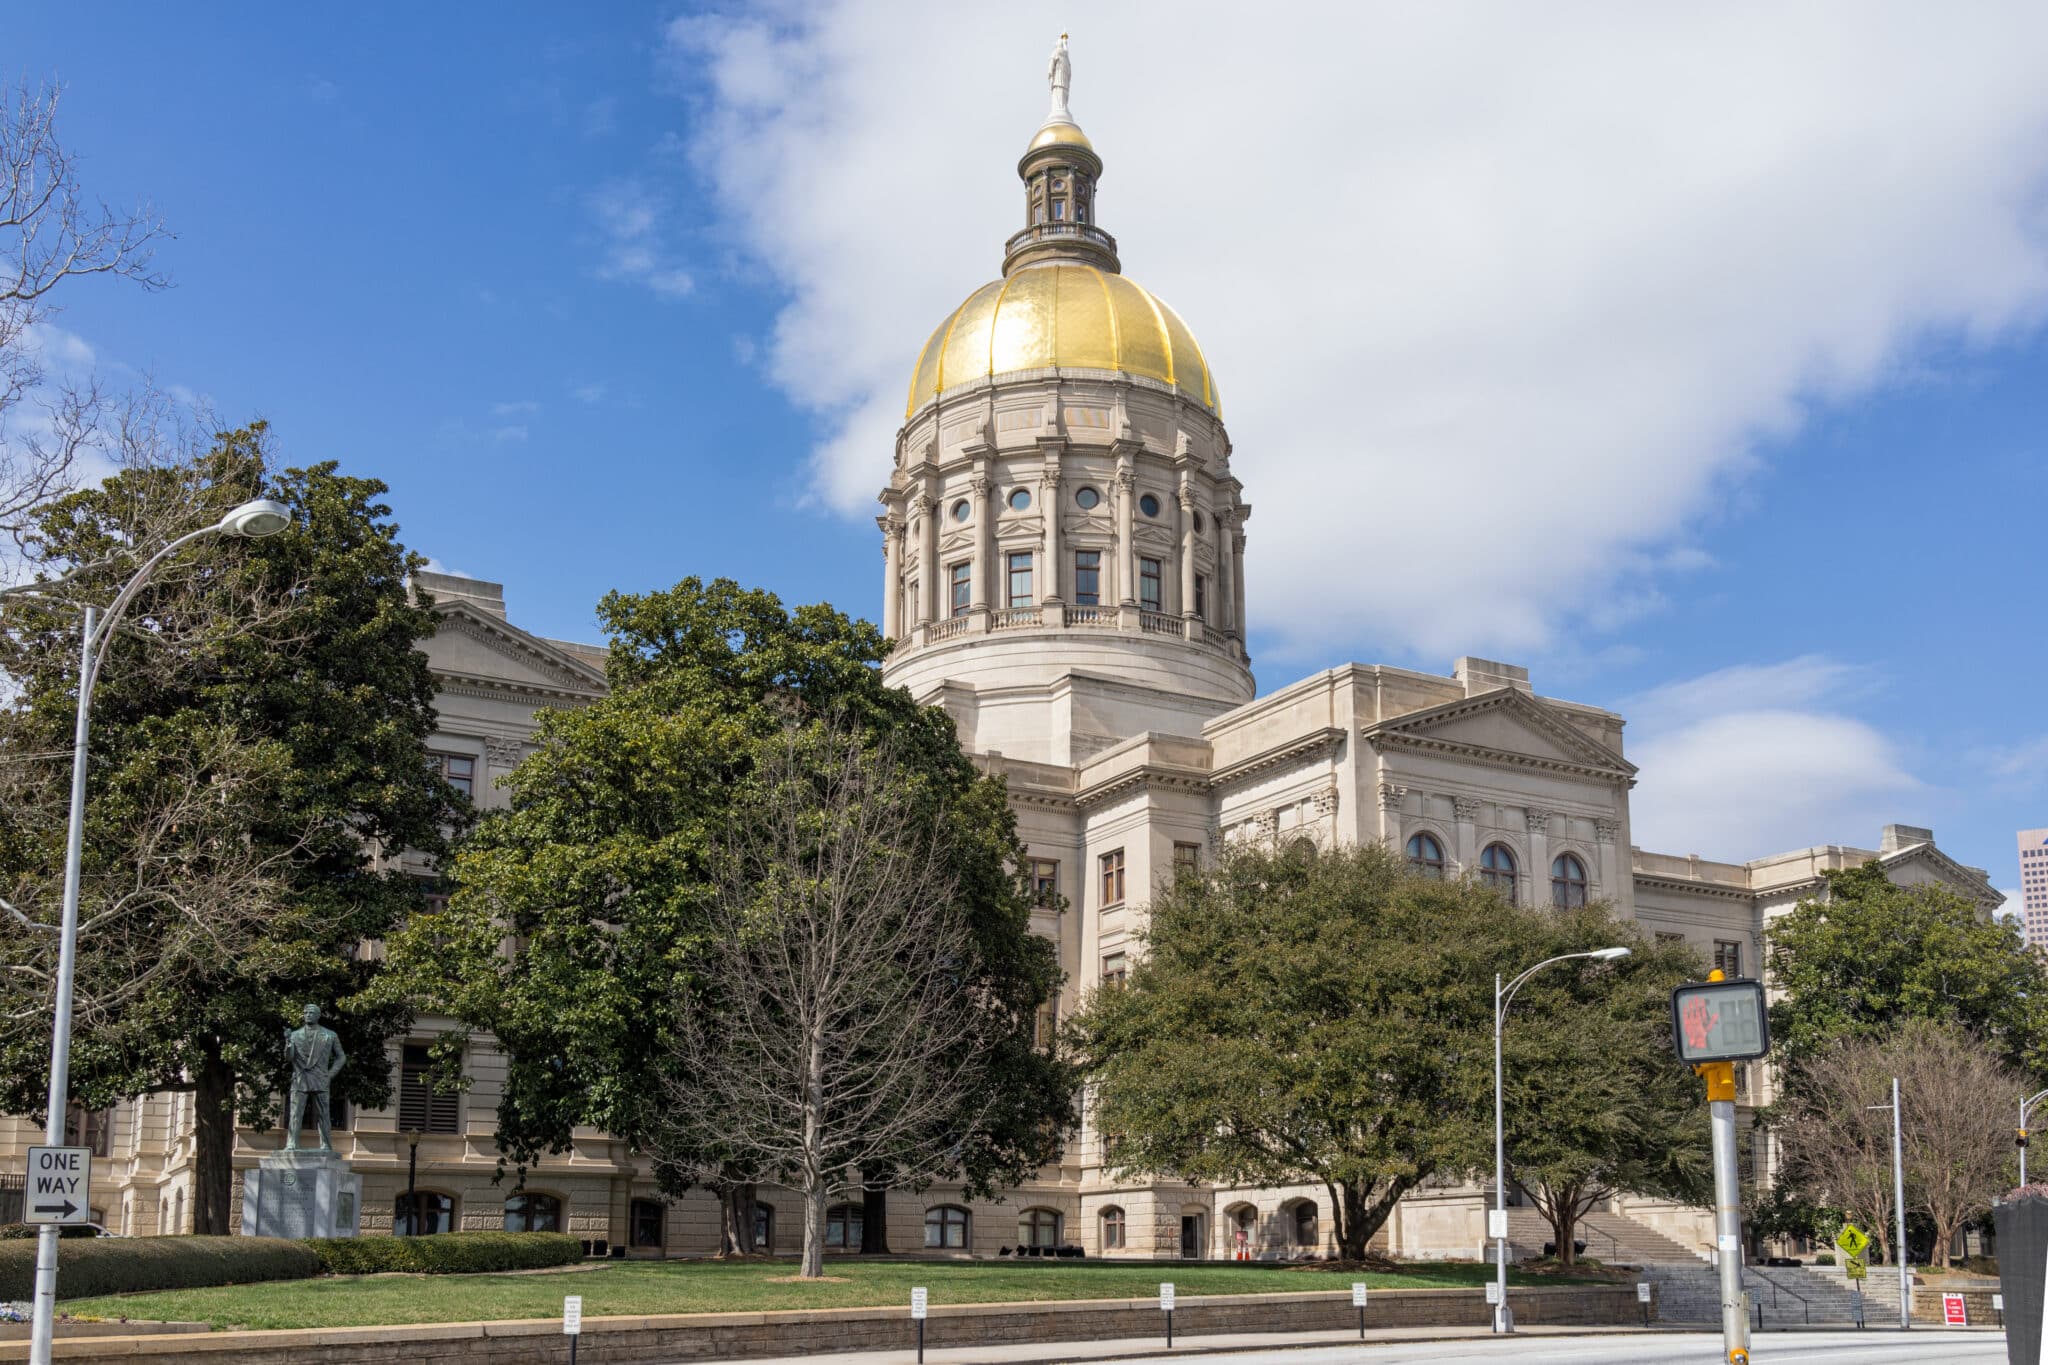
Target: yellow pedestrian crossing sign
<point x="1854" y="1268"/>
<point x="1852" y="1239"/>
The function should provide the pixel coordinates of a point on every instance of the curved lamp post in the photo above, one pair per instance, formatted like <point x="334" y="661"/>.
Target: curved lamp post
<point x="261" y="517"/>
<point x="2026" y="1105"/>
<point x="1502" y="998"/>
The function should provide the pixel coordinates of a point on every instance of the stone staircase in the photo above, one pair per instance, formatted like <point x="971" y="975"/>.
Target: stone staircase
<point x="1610" y="1238"/>
<point x="1783" y="1296"/>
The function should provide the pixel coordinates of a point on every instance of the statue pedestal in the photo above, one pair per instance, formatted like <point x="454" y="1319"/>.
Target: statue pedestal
<point x="301" y="1193"/>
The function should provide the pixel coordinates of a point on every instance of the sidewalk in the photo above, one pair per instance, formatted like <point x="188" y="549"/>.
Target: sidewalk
<point x="1139" y="1348"/>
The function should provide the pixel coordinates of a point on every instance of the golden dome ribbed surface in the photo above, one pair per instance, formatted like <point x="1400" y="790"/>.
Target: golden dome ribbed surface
<point x="1060" y="135"/>
<point x="1061" y="314"/>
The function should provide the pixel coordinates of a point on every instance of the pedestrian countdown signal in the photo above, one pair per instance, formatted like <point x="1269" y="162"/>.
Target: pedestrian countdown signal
<point x="1720" y="1021"/>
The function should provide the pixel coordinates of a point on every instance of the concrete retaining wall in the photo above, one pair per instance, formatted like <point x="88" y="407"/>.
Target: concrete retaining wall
<point x="736" y="1336"/>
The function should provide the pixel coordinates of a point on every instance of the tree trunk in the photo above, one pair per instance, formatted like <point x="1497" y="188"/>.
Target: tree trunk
<point x="814" y="1230"/>
<point x="1353" y="1227"/>
<point x="874" y="1211"/>
<point x="1563" y="1226"/>
<point x="213" y="1114"/>
<point x="737" y="1235"/>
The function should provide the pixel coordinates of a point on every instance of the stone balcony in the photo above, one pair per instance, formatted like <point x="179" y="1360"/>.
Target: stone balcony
<point x="1054" y="617"/>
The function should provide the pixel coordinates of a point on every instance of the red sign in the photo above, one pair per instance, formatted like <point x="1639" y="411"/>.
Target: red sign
<point x="1954" y="1312"/>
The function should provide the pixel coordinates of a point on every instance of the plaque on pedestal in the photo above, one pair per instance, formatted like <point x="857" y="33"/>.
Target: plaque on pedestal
<point x="301" y="1193"/>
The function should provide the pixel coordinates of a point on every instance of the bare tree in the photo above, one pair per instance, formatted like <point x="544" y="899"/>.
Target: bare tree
<point x="51" y="234"/>
<point x="830" y="1029"/>
<point x="1955" y="1096"/>
<point x="1834" y="1149"/>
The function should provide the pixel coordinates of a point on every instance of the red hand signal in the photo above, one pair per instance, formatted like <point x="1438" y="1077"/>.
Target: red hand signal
<point x="1697" y="1022"/>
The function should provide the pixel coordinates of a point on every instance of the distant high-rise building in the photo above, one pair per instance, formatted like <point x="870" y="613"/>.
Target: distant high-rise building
<point x="2034" y="886"/>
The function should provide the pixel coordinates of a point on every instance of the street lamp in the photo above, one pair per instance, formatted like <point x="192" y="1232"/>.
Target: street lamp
<point x="412" y="1170"/>
<point x="260" y="517"/>
<point x="1502" y="998"/>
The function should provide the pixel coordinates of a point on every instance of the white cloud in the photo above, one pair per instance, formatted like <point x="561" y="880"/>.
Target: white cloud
<point x="1759" y="759"/>
<point x="511" y="431"/>
<point x="524" y="407"/>
<point x="2023" y="766"/>
<point x="631" y="246"/>
<point x="589" y="393"/>
<point x="2013" y="907"/>
<point x="1501" y="294"/>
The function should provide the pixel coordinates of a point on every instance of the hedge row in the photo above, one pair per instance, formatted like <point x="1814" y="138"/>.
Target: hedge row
<point x="30" y="1231"/>
<point x="127" y="1265"/>
<point x="446" y="1253"/>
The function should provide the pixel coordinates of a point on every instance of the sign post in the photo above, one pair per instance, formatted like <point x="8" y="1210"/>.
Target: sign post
<point x="1715" y="1024"/>
<point x="1166" y="1305"/>
<point x="919" y="1300"/>
<point x="1851" y="1241"/>
<point x="1358" y="1302"/>
<point x="59" y="1186"/>
<point x="1643" y="1298"/>
<point x="572" y="1322"/>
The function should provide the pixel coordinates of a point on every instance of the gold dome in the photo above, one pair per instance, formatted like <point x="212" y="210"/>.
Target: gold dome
<point x="1062" y="314"/>
<point x="1060" y="135"/>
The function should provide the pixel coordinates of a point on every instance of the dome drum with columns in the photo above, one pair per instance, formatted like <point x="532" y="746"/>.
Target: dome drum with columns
<point x="1062" y="496"/>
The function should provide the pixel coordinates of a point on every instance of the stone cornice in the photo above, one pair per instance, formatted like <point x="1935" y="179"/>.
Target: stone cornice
<point x="1686" y="886"/>
<point x="1314" y="744"/>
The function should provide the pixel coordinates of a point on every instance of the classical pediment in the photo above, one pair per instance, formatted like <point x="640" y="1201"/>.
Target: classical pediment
<point x="1503" y="726"/>
<point x="1967" y="880"/>
<point x="475" y="649"/>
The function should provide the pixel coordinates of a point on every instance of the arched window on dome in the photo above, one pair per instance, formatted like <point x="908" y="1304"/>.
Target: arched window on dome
<point x="1426" y="855"/>
<point x="1567" y="881"/>
<point x="1497" y="869"/>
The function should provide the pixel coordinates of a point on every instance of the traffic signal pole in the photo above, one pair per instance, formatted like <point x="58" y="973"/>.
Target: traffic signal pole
<point x="1720" y="1079"/>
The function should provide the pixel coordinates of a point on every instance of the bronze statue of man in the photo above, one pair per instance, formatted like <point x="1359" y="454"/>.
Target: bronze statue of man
<point x="315" y="1054"/>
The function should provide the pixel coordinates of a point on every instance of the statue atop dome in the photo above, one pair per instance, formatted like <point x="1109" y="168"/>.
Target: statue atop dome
<point x="1059" y="74"/>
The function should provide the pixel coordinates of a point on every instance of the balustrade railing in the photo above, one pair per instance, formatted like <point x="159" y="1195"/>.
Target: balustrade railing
<point x="1090" y="616"/>
<point x="1008" y="618"/>
<point x="944" y="630"/>
<point x="1159" y="623"/>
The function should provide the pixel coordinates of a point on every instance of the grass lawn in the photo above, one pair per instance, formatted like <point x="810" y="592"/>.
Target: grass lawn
<point x="635" y="1287"/>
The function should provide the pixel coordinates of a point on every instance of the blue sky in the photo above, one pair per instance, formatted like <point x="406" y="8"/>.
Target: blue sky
<point x="1696" y="361"/>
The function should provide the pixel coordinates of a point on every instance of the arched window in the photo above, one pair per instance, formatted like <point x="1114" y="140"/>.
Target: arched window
<point x="1567" y="881"/>
<point x="427" y="1211"/>
<point x="1426" y="855"/>
<point x="945" y="1226"/>
<point x="1112" y="1228"/>
<point x="1497" y="869"/>
<point x="647" y="1223"/>
<point x="843" y="1227"/>
<point x="533" y="1213"/>
<point x="1302" y="1219"/>
<point x="1038" y="1228"/>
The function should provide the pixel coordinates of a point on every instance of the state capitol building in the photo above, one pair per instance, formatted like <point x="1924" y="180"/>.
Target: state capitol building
<point x="1065" y="558"/>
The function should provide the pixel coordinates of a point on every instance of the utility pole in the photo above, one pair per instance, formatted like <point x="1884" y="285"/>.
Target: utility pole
<point x="1899" y="1210"/>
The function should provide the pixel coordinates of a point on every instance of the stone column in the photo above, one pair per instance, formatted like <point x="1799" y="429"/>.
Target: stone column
<point x="1467" y="808"/>
<point x="1237" y="582"/>
<point x="892" y="575"/>
<point x="1393" y="800"/>
<point x="1126" y="532"/>
<point x="1226" y="581"/>
<point x="1049" y="570"/>
<point x="1187" y="549"/>
<point x="984" y="543"/>
<point x="1604" y="833"/>
<point x="1539" y="857"/>
<point x="927" y="513"/>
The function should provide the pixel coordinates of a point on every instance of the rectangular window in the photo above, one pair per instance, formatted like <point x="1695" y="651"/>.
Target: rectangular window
<point x="1020" y="580"/>
<point x="433" y="893"/>
<point x="1148" y="584"/>
<point x="649" y="1222"/>
<point x="1113" y="878"/>
<point x="1059" y="209"/>
<point x="1045" y="882"/>
<point x="89" y="1128"/>
<point x="421" y="1107"/>
<point x="1728" y="957"/>
<point x="1114" y="970"/>
<point x="1087" y="578"/>
<point x="1045" y="1025"/>
<point x="1202" y="596"/>
<point x="1187" y="861"/>
<point x="459" y="769"/>
<point x="962" y="575"/>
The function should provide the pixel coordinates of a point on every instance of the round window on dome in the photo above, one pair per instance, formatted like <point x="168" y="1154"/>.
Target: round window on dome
<point x="961" y="511"/>
<point x="1149" y="505"/>
<point x="1088" y="498"/>
<point x="1020" y="498"/>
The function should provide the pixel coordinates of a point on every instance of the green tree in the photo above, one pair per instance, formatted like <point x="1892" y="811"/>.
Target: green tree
<point x="1596" y="1102"/>
<point x="1308" y="1018"/>
<point x="282" y="674"/>
<point x="1869" y="954"/>
<point x="601" y="874"/>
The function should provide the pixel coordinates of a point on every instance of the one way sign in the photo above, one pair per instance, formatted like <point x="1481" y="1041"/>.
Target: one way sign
<point x="59" y="1185"/>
